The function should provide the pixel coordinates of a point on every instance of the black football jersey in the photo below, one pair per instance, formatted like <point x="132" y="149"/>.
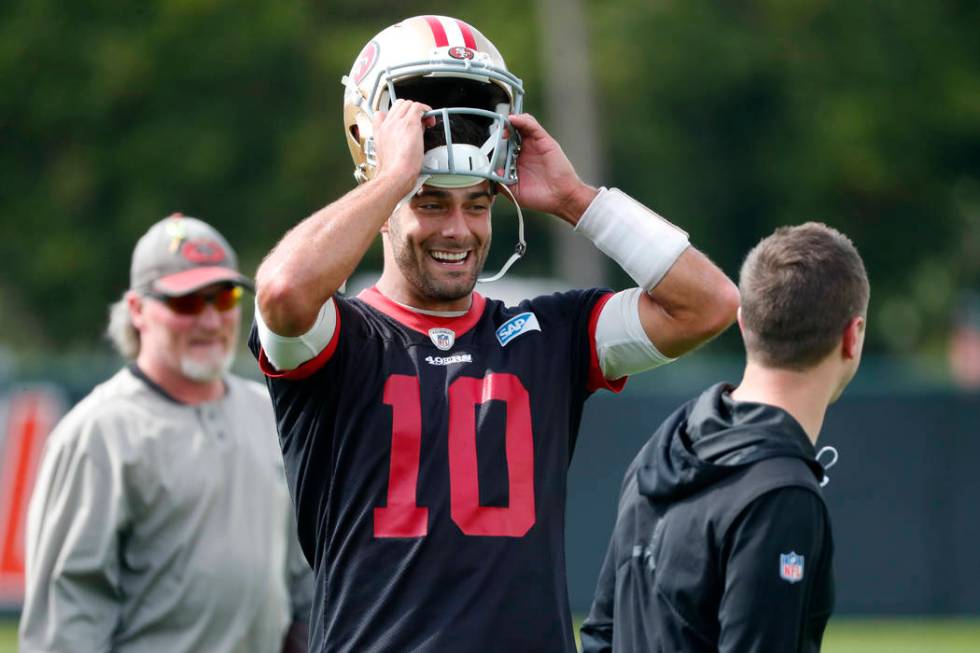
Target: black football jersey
<point x="427" y="459"/>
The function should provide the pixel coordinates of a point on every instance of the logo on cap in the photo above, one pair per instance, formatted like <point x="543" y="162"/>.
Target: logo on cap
<point x="176" y="230"/>
<point x="200" y="252"/>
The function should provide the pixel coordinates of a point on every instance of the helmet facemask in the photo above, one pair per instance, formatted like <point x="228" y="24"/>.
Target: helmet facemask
<point x="484" y="104"/>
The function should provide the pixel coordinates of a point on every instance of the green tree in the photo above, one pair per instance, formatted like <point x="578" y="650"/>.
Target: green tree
<point x="728" y="117"/>
<point x="736" y="117"/>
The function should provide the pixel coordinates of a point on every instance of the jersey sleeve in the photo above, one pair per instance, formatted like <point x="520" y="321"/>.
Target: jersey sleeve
<point x="776" y="562"/>
<point x="304" y="355"/>
<point x="575" y="313"/>
<point x="597" y="379"/>
<point x="75" y="519"/>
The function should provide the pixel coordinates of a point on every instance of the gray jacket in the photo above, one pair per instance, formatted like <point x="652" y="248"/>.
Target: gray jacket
<point x="157" y="527"/>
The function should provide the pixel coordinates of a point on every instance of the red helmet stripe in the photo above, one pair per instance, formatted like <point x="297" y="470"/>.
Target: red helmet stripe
<point x="438" y="31"/>
<point x="468" y="39"/>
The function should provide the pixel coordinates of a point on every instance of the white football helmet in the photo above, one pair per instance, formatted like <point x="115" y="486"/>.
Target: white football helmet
<point x="452" y="67"/>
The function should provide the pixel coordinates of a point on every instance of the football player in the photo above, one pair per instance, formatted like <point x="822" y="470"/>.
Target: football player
<point x="426" y="429"/>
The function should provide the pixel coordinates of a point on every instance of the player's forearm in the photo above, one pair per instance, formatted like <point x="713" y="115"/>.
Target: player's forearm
<point x="316" y="256"/>
<point x="688" y="300"/>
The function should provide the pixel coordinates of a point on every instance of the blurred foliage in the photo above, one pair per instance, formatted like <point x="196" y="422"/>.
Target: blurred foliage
<point x="728" y="117"/>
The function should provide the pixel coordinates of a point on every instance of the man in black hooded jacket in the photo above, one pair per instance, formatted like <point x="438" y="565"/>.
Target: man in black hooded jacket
<point x="722" y="540"/>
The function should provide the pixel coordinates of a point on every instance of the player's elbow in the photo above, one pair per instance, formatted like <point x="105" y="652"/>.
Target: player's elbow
<point x="721" y="309"/>
<point x="715" y="311"/>
<point x="283" y="309"/>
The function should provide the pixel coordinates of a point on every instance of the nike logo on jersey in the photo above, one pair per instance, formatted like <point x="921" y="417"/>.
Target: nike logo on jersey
<point x="517" y="326"/>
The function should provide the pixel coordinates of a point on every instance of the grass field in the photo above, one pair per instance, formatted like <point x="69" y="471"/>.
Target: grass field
<point x="902" y="636"/>
<point x="843" y="636"/>
<point x="8" y="636"/>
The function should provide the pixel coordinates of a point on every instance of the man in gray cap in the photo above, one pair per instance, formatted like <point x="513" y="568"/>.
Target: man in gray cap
<point x="160" y="520"/>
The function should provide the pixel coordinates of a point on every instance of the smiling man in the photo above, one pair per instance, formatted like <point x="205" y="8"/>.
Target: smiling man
<point x="426" y="429"/>
<point x="440" y="246"/>
<point x="160" y="520"/>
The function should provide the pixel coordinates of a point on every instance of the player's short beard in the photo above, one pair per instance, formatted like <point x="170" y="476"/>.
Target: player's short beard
<point x="443" y="291"/>
<point x="210" y="369"/>
<point x="412" y="268"/>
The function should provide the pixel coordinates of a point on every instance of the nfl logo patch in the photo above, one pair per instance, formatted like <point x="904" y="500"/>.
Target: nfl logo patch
<point x="791" y="567"/>
<point x="442" y="338"/>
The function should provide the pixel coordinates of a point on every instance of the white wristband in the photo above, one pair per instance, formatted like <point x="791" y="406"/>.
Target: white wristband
<point x="644" y="244"/>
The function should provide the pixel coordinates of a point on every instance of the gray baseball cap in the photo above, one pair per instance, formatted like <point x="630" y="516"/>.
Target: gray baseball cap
<point x="180" y="255"/>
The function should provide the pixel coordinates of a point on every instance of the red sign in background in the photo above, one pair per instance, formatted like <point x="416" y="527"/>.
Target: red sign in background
<point x="27" y="417"/>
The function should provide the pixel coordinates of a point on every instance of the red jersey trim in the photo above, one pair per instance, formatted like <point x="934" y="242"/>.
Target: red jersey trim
<point x="421" y="322"/>
<point x="308" y="368"/>
<point x="597" y="381"/>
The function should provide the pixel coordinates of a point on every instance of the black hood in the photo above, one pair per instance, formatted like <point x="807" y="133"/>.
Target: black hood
<point x="714" y="436"/>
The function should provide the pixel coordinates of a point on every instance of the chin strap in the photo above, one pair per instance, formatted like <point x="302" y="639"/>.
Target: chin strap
<point x="833" y="461"/>
<point x="519" y="250"/>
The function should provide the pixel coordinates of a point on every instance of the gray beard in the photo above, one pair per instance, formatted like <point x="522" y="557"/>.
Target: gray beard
<point x="204" y="371"/>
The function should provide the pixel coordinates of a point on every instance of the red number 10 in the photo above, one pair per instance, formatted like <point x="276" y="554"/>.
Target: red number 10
<point x="402" y="516"/>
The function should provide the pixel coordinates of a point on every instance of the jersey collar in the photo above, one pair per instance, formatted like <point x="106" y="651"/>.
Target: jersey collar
<point x="422" y="322"/>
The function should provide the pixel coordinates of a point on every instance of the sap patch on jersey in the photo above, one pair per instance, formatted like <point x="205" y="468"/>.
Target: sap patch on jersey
<point x="517" y="326"/>
<point x="791" y="567"/>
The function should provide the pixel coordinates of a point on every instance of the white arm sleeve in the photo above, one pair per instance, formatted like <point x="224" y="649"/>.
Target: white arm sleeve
<point x="644" y="244"/>
<point x="621" y="343"/>
<point x="288" y="353"/>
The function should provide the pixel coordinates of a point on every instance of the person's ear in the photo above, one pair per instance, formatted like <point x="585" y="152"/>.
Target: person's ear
<point x="135" y="303"/>
<point x="853" y="338"/>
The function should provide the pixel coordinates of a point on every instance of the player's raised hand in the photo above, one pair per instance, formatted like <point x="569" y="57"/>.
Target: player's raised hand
<point x="398" y="140"/>
<point x="546" y="179"/>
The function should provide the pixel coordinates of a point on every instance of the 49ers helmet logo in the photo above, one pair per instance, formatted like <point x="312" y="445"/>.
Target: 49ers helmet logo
<point x="461" y="52"/>
<point x="365" y="61"/>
